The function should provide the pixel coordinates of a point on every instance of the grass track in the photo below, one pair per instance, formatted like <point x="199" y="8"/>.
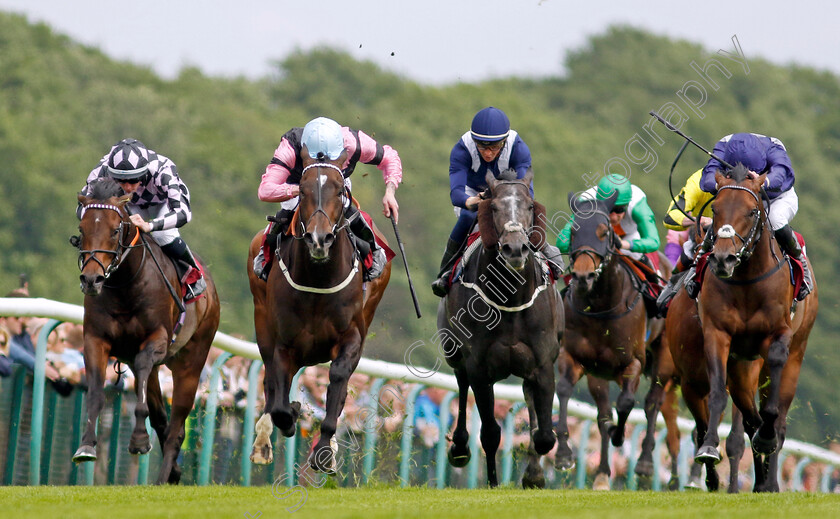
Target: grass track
<point x="388" y="502"/>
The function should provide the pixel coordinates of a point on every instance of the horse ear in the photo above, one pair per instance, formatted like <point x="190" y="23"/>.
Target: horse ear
<point x="491" y="180"/>
<point x="82" y="199"/>
<point x="529" y="176"/>
<point x="761" y="179"/>
<point x="610" y="201"/>
<point x="719" y="178"/>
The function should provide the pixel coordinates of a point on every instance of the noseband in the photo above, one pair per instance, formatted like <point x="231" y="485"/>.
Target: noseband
<point x="748" y="243"/>
<point x="119" y="253"/>
<point x="320" y="209"/>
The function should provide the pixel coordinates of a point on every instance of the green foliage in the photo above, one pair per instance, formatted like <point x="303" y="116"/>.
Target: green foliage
<point x="62" y="105"/>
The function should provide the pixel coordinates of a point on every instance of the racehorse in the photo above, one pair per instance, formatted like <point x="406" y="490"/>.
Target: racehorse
<point x="746" y="314"/>
<point x="503" y="318"/>
<point x="312" y="309"/>
<point x="130" y="314"/>
<point x="606" y="325"/>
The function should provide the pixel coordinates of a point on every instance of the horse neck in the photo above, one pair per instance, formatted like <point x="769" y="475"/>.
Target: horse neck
<point x="609" y="289"/>
<point x="503" y="285"/>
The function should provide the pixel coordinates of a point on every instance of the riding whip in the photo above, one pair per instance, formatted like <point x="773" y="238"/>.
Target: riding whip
<point x="172" y="292"/>
<point x="689" y="139"/>
<point x="407" y="273"/>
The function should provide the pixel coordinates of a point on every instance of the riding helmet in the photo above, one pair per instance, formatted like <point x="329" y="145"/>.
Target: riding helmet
<point x="129" y="159"/>
<point x="747" y="149"/>
<point x="323" y="138"/>
<point x="615" y="182"/>
<point x="490" y="125"/>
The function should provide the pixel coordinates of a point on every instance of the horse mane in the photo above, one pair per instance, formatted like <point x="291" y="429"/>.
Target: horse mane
<point x="104" y="188"/>
<point x="738" y="173"/>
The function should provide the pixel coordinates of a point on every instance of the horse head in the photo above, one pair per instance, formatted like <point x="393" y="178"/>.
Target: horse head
<point x="591" y="238"/>
<point x="103" y="229"/>
<point x="322" y="200"/>
<point x="737" y="219"/>
<point x="512" y="211"/>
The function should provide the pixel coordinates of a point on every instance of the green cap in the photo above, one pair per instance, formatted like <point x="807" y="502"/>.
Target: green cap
<point x="615" y="182"/>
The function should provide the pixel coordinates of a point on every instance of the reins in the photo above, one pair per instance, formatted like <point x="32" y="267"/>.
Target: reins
<point x="122" y="250"/>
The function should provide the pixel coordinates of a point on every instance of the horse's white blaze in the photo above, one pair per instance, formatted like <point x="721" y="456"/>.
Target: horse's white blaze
<point x="727" y="231"/>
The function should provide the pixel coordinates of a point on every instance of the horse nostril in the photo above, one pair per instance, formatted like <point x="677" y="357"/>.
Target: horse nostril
<point x="506" y="249"/>
<point x="307" y="238"/>
<point x="524" y="249"/>
<point x="329" y="239"/>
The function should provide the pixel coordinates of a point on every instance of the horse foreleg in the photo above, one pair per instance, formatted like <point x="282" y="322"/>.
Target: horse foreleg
<point x="766" y="440"/>
<point x="629" y="381"/>
<point x="534" y="477"/>
<point x="735" y="447"/>
<point x="151" y="353"/>
<point x="280" y="369"/>
<point x="599" y="389"/>
<point x="653" y="402"/>
<point x="670" y="411"/>
<point x="570" y="373"/>
<point x="96" y="362"/>
<point x="157" y="410"/>
<point x="459" y="452"/>
<point x="716" y="347"/>
<point x="491" y="433"/>
<point x="322" y="458"/>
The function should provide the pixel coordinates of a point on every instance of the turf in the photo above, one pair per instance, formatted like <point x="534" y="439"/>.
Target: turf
<point x="388" y="502"/>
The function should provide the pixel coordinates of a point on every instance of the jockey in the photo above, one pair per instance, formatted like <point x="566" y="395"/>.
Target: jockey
<point x="631" y="217"/>
<point x="157" y="194"/>
<point x="691" y="200"/>
<point x="325" y="139"/>
<point x="489" y="145"/>
<point x="762" y="154"/>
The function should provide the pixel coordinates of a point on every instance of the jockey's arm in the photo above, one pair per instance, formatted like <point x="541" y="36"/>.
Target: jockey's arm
<point x="273" y="186"/>
<point x="178" y="200"/>
<point x="780" y="170"/>
<point x="459" y="167"/>
<point x="707" y="181"/>
<point x="563" y="238"/>
<point x="387" y="160"/>
<point x="648" y="240"/>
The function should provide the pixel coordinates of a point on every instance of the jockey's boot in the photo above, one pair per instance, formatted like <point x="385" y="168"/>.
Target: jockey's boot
<point x="440" y="286"/>
<point x="279" y="225"/>
<point x="555" y="260"/>
<point x="787" y="240"/>
<point x="185" y="265"/>
<point x="366" y="243"/>
<point x="673" y="286"/>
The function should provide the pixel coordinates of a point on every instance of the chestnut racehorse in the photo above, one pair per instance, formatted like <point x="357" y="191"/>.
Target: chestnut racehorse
<point x="131" y="315"/>
<point x="746" y="313"/>
<point x="312" y="309"/>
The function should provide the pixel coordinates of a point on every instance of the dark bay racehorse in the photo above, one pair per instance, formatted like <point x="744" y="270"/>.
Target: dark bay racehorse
<point x="503" y="318"/>
<point x="606" y="323"/>
<point x="130" y="315"/>
<point x="312" y="309"/>
<point x="745" y="311"/>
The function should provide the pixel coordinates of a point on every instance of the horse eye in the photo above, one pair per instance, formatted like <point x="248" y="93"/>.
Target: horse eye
<point x="115" y="232"/>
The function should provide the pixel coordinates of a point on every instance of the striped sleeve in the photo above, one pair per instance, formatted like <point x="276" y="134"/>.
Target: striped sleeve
<point x="178" y="197"/>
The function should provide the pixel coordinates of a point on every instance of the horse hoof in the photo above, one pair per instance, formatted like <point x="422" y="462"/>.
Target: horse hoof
<point x="174" y="476"/>
<point x="533" y="482"/>
<point x="285" y="420"/>
<point x="674" y="483"/>
<point x="644" y="468"/>
<point x="139" y="447"/>
<point x="707" y="454"/>
<point x="565" y="462"/>
<point x="459" y="457"/>
<point x="262" y="455"/>
<point x="322" y="459"/>
<point x="85" y="453"/>
<point x="693" y="484"/>
<point x="765" y="446"/>
<point x="602" y="482"/>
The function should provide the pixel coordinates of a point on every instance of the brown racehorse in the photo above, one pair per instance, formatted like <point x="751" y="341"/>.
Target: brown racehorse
<point x="313" y="311"/>
<point x="606" y="323"/>
<point x="130" y="315"/>
<point x="745" y="311"/>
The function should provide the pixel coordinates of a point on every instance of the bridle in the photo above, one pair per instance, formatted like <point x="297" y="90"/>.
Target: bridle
<point x="609" y="250"/>
<point x="342" y="220"/>
<point x="748" y="243"/>
<point x="122" y="250"/>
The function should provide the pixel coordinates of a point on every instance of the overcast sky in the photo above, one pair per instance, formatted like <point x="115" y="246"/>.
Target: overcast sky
<point x="432" y="41"/>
